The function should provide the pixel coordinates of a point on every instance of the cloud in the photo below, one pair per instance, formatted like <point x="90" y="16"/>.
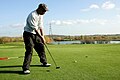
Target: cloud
<point x="108" y="5"/>
<point x="12" y="29"/>
<point x="94" y="6"/>
<point x="79" y="22"/>
<point x="118" y="16"/>
<point x="17" y="25"/>
<point x="62" y="22"/>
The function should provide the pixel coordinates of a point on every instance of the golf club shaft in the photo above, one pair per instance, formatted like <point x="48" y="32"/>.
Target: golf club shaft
<point x="50" y="55"/>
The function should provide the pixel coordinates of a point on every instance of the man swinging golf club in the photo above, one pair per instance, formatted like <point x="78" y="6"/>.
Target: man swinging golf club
<point x="34" y="25"/>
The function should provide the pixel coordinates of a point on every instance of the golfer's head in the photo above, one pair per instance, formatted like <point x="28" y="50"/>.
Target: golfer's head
<point x="42" y="8"/>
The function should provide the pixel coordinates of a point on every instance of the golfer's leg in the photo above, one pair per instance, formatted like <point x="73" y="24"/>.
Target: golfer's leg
<point x="27" y="58"/>
<point x="39" y="47"/>
<point x="29" y="50"/>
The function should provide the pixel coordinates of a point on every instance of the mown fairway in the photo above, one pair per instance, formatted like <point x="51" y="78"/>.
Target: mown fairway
<point x="77" y="62"/>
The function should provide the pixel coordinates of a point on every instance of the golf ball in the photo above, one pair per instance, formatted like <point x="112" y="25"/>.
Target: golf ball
<point x="75" y="61"/>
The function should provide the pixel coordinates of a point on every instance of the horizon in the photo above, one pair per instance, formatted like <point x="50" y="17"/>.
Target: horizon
<point x="69" y="35"/>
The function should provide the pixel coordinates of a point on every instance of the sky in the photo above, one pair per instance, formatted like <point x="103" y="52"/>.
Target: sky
<point x="67" y="17"/>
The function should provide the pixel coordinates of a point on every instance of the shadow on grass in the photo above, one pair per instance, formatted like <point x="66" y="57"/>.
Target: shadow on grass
<point x="11" y="72"/>
<point x="20" y="66"/>
<point x="15" y="72"/>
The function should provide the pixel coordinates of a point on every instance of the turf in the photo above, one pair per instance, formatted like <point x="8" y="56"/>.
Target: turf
<point x="77" y="62"/>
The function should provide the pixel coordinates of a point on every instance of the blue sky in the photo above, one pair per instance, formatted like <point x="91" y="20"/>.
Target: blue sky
<point x="67" y="17"/>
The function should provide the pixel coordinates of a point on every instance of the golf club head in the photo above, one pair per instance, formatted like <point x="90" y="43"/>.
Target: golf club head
<point x="57" y="67"/>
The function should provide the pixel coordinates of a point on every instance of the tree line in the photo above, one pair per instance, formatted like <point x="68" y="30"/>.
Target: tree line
<point x="82" y="38"/>
<point x="4" y="40"/>
<point x="86" y="37"/>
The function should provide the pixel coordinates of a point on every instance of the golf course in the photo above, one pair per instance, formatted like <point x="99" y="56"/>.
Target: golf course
<point x="76" y="61"/>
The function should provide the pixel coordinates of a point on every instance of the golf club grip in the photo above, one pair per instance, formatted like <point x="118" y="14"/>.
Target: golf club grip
<point x="39" y="36"/>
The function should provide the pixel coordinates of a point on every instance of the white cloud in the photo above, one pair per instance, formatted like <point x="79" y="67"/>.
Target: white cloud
<point x="94" y="6"/>
<point x="62" y="22"/>
<point x="17" y="25"/>
<point x="12" y="29"/>
<point x="56" y="22"/>
<point x="108" y="5"/>
<point x="79" y="22"/>
<point x="118" y="16"/>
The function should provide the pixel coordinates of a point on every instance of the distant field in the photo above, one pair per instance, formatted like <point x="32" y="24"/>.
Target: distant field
<point x="77" y="62"/>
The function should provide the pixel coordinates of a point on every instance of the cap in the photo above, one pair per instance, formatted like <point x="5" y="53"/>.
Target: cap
<point x="44" y="6"/>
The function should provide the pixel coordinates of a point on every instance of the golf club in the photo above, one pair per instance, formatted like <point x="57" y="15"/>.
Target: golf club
<point x="57" y="67"/>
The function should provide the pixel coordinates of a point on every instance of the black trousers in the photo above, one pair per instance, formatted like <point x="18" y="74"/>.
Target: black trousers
<point x="33" y="41"/>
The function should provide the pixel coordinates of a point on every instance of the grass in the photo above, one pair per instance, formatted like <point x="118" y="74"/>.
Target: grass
<point x="77" y="62"/>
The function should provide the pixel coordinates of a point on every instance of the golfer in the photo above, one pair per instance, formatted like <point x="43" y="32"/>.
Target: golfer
<point x="34" y="25"/>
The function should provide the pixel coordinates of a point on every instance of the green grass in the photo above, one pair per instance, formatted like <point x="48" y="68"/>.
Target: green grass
<point x="94" y="62"/>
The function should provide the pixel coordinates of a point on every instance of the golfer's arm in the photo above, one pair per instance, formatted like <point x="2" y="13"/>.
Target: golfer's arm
<point x="41" y="27"/>
<point x="41" y="32"/>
